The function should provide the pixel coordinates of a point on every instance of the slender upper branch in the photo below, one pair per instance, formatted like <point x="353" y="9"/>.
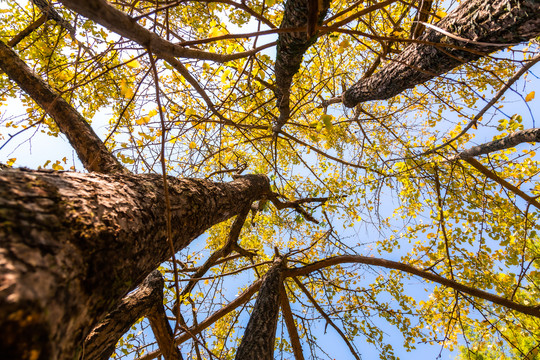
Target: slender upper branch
<point x="514" y="139"/>
<point x="240" y="300"/>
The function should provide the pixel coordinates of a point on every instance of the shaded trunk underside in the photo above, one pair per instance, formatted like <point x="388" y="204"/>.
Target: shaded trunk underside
<point x="146" y="300"/>
<point x="72" y="245"/>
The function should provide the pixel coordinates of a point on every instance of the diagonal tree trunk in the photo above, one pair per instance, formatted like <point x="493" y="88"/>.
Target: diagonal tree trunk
<point x="72" y="245"/>
<point x="90" y="149"/>
<point x="483" y="23"/>
<point x="259" y="336"/>
<point x="147" y="301"/>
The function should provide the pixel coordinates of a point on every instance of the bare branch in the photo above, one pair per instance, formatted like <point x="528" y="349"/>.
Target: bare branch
<point x="27" y="31"/>
<point x="230" y="245"/>
<point x="291" y="326"/>
<point x="327" y="318"/>
<point x="493" y="176"/>
<point x="296" y="205"/>
<point x="240" y="300"/>
<point x="510" y="141"/>
<point x="492" y="102"/>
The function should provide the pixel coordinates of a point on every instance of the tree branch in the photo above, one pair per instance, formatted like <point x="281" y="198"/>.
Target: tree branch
<point x="510" y="141"/>
<point x="493" y="176"/>
<point x="147" y="300"/>
<point x="492" y="102"/>
<point x="230" y="245"/>
<point x="300" y="14"/>
<point x="121" y="23"/>
<point x="488" y="21"/>
<point x="295" y="204"/>
<point x="84" y="221"/>
<point x="358" y="259"/>
<point x="89" y="147"/>
<point x="291" y="326"/>
<point x="260" y="334"/>
<point x="327" y="318"/>
<point x="27" y="31"/>
<point x="240" y="300"/>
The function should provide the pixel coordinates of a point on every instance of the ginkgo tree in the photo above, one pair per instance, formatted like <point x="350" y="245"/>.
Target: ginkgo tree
<point x="268" y="165"/>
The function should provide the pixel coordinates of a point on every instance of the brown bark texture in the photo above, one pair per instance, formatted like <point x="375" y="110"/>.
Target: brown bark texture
<point x="146" y="300"/>
<point x="121" y="23"/>
<point x="73" y="245"/>
<point x="482" y="21"/>
<point x="259" y="336"/>
<point x="304" y="16"/>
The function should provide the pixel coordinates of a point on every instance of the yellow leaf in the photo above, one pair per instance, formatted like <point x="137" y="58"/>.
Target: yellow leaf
<point x="143" y="120"/>
<point x="430" y="235"/>
<point x="134" y="64"/>
<point x="11" y="161"/>
<point x="56" y="166"/>
<point x="327" y="121"/>
<point x="345" y="44"/>
<point x="216" y="31"/>
<point x="529" y="96"/>
<point x="441" y="14"/>
<point x="125" y="89"/>
<point x="192" y="145"/>
<point x="190" y="111"/>
<point x="152" y="112"/>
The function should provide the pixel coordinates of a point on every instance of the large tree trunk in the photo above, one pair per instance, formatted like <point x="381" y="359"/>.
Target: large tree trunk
<point x="490" y="25"/>
<point x="72" y="245"/>
<point x="260" y="334"/>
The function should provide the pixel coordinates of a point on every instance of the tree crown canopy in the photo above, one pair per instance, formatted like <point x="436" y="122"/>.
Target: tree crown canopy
<point x="397" y="141"/>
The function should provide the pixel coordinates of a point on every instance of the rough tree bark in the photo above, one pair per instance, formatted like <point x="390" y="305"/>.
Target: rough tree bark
<point x="146" y="300"/>
<point x="259" y="336"/>
<point x="480" y="22"/>
<point x="72" y="245"/>
<point x="304" y="16"/>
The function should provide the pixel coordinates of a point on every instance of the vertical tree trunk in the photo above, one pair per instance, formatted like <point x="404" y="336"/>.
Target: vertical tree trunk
<point x="259" y="336"/>
<point x="72" y="245"/>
